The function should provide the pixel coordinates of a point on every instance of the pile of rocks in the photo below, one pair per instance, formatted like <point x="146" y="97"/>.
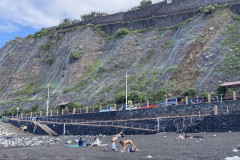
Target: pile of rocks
<point x="13" y="140"/>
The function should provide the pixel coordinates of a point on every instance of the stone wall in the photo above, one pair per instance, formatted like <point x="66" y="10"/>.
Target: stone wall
<point x="220" y="123"/>
<point x="190" y="118"/>
<point x="203" y="108"/>
<point x="77" y="129"/>
<point x="18" y="123"/>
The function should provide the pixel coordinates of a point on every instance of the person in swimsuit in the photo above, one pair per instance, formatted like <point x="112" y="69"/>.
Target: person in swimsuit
<point x="114" y="139"/>
<point x="126" y="143"/>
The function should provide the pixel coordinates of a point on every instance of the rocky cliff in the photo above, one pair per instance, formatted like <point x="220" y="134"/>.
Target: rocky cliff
<point x="85" y="65"/>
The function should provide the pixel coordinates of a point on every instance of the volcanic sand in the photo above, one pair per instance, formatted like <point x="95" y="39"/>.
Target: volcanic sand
<point x="164" y="146"/>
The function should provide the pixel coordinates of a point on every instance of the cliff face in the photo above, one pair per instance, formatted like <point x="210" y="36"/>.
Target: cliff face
<point x="200" y="53"/>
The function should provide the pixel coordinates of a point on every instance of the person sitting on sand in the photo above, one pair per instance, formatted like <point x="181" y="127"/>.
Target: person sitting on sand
<point x="96" y="142"/>
<point x="114" y="139"/>
<point x="80" y="142"/>
<point x="126" y="143"/>
<point x="182" y="136"/>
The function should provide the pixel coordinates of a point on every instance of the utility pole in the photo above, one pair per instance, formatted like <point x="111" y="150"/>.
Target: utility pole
<point x="47" y="101"/>
<point x="126" y="86"/>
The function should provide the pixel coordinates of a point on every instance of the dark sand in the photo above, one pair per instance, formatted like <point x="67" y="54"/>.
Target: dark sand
<point x="214" y="146"/>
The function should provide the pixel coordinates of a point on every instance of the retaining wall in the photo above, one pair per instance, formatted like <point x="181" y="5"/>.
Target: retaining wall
<point x="177" y="7"/>
<point x="165" y="21"/>
<point x="77" y="129"/>
<point x="220" y="123"/>
<point x="203" y="108"/>
<point x="227" y="120"/>
<point x="30" y="128"/>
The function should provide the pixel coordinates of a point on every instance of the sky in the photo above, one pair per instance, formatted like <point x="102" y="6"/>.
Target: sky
<point x="24" y="17"/>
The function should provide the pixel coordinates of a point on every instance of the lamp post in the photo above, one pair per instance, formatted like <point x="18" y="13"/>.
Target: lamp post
<point x="17" y="111"/>
<point x="47" y="101"/>
<point x="126" y="86"/>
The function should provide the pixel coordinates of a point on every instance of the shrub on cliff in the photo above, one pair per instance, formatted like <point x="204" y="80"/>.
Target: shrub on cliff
<point x="121" y="33"/>
<point x="76" y="54"/>
<point x="50" y="60"/>
<point x="208" y="9"/>
<point x="92" y="15"/>
<point x="145" y="3"/>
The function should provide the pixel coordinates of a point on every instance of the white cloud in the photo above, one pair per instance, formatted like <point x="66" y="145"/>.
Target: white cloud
<point x="45" y="13"/>
<point x="8" y="27"/>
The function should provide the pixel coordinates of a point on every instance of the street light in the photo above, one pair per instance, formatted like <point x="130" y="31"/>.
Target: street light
<point x="17" y="111"/>
<point x="126" y="86"/>
<point x="47" y="101"/>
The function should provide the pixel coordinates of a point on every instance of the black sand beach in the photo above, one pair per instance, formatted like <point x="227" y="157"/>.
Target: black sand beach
<point x="214" y="146"/>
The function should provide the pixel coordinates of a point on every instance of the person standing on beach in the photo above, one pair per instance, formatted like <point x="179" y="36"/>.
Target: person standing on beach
<point x="114" y="139"/>
<point x="126" y="143"/>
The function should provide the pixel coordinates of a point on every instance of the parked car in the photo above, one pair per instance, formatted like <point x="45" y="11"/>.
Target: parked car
<point x="127" y="108"/>
<point x="196" y="100"/>
<point x="107" y="109"/>
<point x="170" y="102"/>
<point x="150" y="106"/>
<point x="33" y="119"/>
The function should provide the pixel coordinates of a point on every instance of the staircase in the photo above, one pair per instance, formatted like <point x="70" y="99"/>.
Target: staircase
<point x="45" y="128"/>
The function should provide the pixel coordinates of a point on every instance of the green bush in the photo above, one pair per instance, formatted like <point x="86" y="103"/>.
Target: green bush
<point x="30" y="88"/>
<point x="190" y="92"/>
<point x="46" y="46"/>
<point x="235" y="17"/>
<point x="101" y="69"/>
<point x="168" y="44"/>
<point x="92" y="15"/>
<point x="121" y="33"/>
<point x="159" y="95"/>
<point x="145" y="3"/>
<point x="66" y="90"/>
<point x="44" y="32"/>
<point x="221" y="90"/>
<point x="76" y="54"/>
<point x="134" y="96"/>
<point x="208" y="9"/>
<point x="50" y="60"/>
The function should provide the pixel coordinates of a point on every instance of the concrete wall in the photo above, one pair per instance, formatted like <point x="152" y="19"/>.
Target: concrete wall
<point x="166" y="21"/>
<point x="105" y="19"/>
<point x="177" y="7"/>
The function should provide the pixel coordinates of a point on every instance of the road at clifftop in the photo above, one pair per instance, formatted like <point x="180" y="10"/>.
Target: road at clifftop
<point x="160" y="146"/>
